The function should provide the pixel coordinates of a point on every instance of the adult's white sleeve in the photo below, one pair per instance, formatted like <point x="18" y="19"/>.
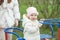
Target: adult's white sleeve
<point x="16" y="10"/>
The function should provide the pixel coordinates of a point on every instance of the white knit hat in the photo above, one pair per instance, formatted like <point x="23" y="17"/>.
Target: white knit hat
<point x="31" y="10"/>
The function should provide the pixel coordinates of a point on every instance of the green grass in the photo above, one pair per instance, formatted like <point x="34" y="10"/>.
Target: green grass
<point x="18" y="32"/>
<point x="46" y="30"/>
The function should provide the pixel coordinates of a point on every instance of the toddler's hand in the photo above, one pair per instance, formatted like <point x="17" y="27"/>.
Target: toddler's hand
<point x="42" y="19"/>
<point x="1" y="28"/>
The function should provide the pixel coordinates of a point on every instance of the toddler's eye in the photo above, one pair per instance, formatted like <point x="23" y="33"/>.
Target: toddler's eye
<point x="35" y="15"/>
<point x="31" y="15"/>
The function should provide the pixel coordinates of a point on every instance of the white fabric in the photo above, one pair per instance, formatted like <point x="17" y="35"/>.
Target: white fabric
<point x="6" y="19"/>
<point x="2" y="23"/>
<point x="31" y="29"/>
<point x="9" y="19"/>
<point x="31" y="10"/>
<point x="12" y="12"/>
<point x="13" y="6"/>
<point x="2" y="18"/>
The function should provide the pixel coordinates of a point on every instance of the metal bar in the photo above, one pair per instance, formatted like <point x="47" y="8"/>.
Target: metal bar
<point x="6" y="30"/>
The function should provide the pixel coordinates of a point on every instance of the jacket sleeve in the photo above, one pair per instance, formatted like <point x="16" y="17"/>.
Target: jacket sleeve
<point x="16" y="10"/>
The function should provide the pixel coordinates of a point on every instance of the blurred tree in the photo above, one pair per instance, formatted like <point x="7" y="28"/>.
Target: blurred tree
<point x="46" y="8"/>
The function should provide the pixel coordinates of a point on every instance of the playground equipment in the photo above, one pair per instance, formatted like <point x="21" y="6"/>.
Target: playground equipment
<point x="14" y="33"/>
<point x="54" y="22"/>
<point x="50" y="22"/>
<point x="20" y="38"/>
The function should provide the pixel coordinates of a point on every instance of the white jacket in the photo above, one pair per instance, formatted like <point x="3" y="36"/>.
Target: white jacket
<point x="12" y="12"/>
<point x="31" y="29"/>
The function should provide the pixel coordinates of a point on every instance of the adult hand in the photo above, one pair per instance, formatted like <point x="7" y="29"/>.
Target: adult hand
<point x="1" y="28"/>
<point x="16" y="22"/>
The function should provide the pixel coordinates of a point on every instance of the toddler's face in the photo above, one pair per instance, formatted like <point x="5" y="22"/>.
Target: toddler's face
<point x="33" y="16"/>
